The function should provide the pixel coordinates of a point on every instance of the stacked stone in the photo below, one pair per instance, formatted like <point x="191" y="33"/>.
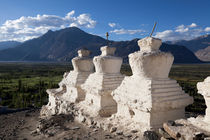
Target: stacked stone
<point x="99" y="85"/>
<point x="148" y="97"/>
<point x="69" y="90"/>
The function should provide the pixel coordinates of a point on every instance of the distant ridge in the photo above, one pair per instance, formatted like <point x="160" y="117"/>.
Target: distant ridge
<point x="181" y="53"/>
<point x="200" y="46"/>
<point x="62" y="45"/>
<point x="196" y="44"/>
<point x="8" y="44"/>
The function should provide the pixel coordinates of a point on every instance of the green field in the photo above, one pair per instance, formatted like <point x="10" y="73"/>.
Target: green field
<point x="24" y="84"/>
<point x="188" y="76"/>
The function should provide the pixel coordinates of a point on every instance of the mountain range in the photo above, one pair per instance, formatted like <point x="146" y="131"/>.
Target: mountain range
<point x="62" y="45"/>
<point x="200" y="46"/>
<point x="8" y="44"/>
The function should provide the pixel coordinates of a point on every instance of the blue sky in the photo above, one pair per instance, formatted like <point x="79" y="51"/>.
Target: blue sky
<point x="123" y="19"/>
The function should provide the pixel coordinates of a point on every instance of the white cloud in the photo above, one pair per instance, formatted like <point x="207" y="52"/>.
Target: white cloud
<point x="112" y="25"/>
<point x="181" y="29"/>
<point x="181" y="32"/>
<point x="83" y="20"/>
<point x="165" y="35"/>
<point x="29" y="27"/>
<point x="207" y="29"/>
<point x="124" y="31"/>
<point x="193" y="25"/>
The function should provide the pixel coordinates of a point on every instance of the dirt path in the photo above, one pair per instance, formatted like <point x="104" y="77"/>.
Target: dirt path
<point x="13" y="123"/>
<point x="21" y="126"/>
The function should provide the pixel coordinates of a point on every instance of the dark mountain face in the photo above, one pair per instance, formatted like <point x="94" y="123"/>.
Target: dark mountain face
<point x="181" y="53"/>
<point x="8" y="44"/>
<point x="62" y="45"/>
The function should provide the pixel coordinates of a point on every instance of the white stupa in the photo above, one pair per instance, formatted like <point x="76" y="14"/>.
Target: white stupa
<point x="69" y="90"/>
<point x="99" y="85"/>
<point x="148" y="97"/>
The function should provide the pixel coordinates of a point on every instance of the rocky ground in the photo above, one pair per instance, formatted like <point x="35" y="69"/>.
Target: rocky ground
<point x="26" y="125"/>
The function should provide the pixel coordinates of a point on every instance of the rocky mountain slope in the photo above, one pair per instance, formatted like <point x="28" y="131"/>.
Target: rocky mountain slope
<point x="62" y="45"/>
<point x="204" y="54"/>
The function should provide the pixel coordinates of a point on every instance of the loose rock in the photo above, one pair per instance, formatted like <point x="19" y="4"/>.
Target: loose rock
<point x="119" y="132"/>
<point x="134" y="131"/>
<point x="164" y="133"/>
<point x="150" y="135"/>
<point x="75" y="128"/>
<point x="113" y="129"/>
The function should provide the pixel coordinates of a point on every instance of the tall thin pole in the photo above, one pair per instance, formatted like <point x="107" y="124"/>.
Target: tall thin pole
<point x="153" y="29"/>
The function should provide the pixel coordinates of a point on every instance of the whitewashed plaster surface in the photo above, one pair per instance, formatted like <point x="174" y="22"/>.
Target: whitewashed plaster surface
<point x="69" y="90"/>
<point x="149" y="97"/>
